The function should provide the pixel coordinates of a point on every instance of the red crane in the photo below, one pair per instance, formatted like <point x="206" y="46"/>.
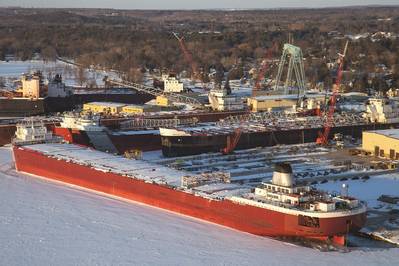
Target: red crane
<point x="232" y="141"/>
<point x="187" y="55"/>
<point x="263" y="68"/>
<point x="323" y="136"/>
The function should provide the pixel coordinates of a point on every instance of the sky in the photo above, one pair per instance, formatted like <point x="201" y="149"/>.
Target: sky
<point x="191" y="4"/>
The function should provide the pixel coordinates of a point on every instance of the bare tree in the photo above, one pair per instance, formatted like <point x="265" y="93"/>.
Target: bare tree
<point x="81" y="76"/>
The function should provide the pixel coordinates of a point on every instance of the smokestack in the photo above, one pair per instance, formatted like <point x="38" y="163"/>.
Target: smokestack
<point x="282" y="175"/>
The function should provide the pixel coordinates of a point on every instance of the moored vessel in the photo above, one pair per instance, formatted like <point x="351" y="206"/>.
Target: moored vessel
<point x="277" y="208"/>
<point x="121" y="134"/>
<point x="274" y="128"/>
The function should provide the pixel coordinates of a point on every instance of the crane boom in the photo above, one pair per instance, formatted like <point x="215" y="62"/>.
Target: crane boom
<point x="232" y="141"/>
<point x="187" y="55"/>
<point x="323" y="137"/>
<point x="263" y="69"/>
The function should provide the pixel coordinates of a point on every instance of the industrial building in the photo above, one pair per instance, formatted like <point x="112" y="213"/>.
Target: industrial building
<point x="32" y="85"/>
<point x="104" y="107"/>
<point x="116" y="108"/>
<point x="382" y="143"/>
<point x="162" y="101"/>
<point x="268" y="102"/>
<point x="284" y="101"/>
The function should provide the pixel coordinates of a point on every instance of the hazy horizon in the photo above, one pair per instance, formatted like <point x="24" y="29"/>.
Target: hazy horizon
<point x="181" y="4"/>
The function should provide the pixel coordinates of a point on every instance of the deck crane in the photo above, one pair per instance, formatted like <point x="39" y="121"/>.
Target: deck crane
<point x="323" y="136"/>
<point x="189" y="58"/>
<point x="263" y="69"/>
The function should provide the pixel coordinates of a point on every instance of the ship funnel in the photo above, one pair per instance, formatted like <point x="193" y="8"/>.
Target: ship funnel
<point x="282" y="175"/>
<point x="345" y="190"/>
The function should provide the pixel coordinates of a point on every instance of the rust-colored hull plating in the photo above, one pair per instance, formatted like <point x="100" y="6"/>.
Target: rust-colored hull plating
<point x="246" y="218"/>
<point x="73" y="136"/>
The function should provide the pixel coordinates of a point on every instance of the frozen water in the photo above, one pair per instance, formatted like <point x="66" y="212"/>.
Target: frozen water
<point x="46" y="223"/>
<point x="14" y="69"/>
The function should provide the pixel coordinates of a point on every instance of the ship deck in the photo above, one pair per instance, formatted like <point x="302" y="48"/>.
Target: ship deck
<point x="260" y="122"/>
<point x="139" y="169"/>
<point x="112" y="163"/>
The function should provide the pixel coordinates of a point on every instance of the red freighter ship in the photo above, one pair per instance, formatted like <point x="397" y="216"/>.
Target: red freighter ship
<point x="279" y="208"/>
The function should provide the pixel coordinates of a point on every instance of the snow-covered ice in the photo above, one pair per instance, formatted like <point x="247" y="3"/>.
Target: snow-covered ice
<point x="14" y="69"/>
<point x="46" y="223"/>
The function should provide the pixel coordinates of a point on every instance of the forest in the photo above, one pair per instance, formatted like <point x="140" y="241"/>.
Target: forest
<point x="226" y="41"/>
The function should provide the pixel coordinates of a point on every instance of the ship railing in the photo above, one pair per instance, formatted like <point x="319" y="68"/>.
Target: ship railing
<point x="141" y="123"/>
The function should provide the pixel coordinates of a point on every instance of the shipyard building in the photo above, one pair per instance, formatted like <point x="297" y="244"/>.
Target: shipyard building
<point x="273" y="102"/>
<point x="382" y="143"/>
<point x="116" y="108"/>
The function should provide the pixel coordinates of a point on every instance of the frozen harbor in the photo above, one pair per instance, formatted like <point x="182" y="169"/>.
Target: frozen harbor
<point x="46" y="223"/>
<point x="12" y="70"/>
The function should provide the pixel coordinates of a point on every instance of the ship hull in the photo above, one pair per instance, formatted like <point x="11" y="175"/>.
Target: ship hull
<point x="173" y="146"/>
<point x="61" y="104"/>
<point x="74" y="136"/>
<point x="149" y="141"/>
<point x="143" y="140"/>
<point x="6" y="134"/>
<point x="21" y="107"/>
<point x="246" y="218"/>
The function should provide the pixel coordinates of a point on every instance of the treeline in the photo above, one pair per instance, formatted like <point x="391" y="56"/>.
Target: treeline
<point x="225" y="41"/>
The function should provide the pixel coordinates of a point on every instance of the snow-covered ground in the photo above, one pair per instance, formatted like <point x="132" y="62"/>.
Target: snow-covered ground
<point x="368" y="190"/>
<point x="46" y="223"/>
<point x="12" y="70"/>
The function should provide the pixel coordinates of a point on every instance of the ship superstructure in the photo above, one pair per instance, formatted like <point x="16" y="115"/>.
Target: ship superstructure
<point x="382" y="110"/>
<point x="223" y="100"/>
<point x="284" y="192"/>
<point x="279" y="208"/>
<point x="32" y="130"/>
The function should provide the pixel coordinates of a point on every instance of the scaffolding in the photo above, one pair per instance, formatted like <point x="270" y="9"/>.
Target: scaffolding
<point x="141" y="123"/>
